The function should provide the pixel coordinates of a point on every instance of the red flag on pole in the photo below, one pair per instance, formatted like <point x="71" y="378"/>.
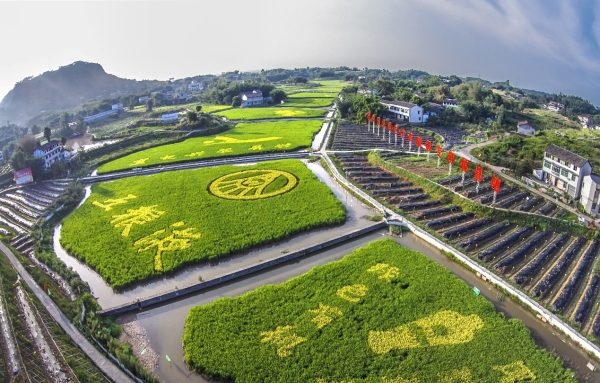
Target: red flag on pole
<point x="428" y="145"/>
<point x="478" y="174"/>
<point x="450" y="157"/>
<point x="496" y="183"/>
<point x="402" y="133"/>
<point x="389" y="126"/>
<point x="378" y="120"/>
<point x="396" y="129"/>
<point x="419" y="141"/>
<point x="383" y="123"/>
<point x="409" y="136"/>
<point x="439" y="151"/>
<point x="464" y="165"/>
<point x="368" y="116"/>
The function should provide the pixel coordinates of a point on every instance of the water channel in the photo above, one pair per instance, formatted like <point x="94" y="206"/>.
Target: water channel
<point x="164" y="324"/>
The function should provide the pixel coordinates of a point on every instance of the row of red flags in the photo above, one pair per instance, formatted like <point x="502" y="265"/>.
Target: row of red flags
<point x="464" y="164"/>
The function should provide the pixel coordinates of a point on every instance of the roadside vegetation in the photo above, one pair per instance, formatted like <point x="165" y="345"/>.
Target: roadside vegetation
<point x="140" y="227"/>
<point x="374" y="316"/>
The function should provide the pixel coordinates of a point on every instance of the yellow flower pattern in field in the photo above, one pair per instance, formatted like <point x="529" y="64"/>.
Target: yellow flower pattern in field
<point x="256" y="147"/>
<point x="290" y="113"/>
<point x="325" y="315"/>
<point x="442" y="328"/>
<point x="230" y="140"/>
<point x="195" y="154"/>
<point x="138" y="216"/>
<point x="385" y="271"/>
<point x="457" y="376"/>
<point x="238" y="186"/>
<point x="167" y="157"/>
<point x="515" y="372"/>
<point x="283" y="338"/>
<point x="224" y="151"/>
<point x="283" y="146"/>
<point x="109" y="203"/>
<point x="352" y="293"/>
<point x="141" y="161"/>
<point x="398" y="380"/>
<point x="175" y="240"/>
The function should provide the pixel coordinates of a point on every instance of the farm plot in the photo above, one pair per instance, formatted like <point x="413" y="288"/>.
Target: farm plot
<point x="550" y="266"/>
<point x="349" y="136"/>
<point x="245" y="138"/>
<point x="136" y="228"/>
<point x="309" y="94"/>
<point x="382" y="314"/>
<point x="270" y="113"/>
<point x="308" y="102"/>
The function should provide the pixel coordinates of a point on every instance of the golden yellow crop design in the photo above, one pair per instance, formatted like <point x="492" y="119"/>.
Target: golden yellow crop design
<point x="141" y="161"/>
<point x="325" y="315"/>
<point x="251" y="184"/>
<point x="283" y="146"/>
<point x="385" y="271"/>
<point x="230" y="140"/>
<point x="352" y="293"/>
<point x="456" y="376"/>
<point x="515" y="372"/>
<point x="139" y="216"/>
<point x="167" y="157"/>
<point x="195" y="154"/>
<point x="109" y="203"/>
<point x="175" y="240"/>
<point x="283" y="338"/>
<point x="442" y="328"/>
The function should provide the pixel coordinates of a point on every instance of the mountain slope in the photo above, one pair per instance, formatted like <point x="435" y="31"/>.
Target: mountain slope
<point x="66" y="88"/>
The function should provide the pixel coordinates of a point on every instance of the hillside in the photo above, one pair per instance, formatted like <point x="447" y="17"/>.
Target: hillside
<point x="66" y="88"/>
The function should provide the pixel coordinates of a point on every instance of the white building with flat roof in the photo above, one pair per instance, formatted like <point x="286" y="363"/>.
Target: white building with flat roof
<point x="405" y="111"/>
<point x="49" y="153"/>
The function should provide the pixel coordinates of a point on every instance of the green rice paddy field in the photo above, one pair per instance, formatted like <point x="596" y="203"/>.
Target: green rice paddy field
<point x="382" y="314"/>
<point x="245" y="138"/>
<point x="269" y="113"/>
<point x="136" y="228"/>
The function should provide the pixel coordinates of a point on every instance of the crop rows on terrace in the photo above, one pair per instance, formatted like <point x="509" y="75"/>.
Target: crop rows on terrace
<point x="555" y="268"/>
<point x="382" y="314"/>
<point x="349" y="136"/>
<point x="243" y="139"/>
<point x="239" y="114"/>
<point x="139" y="227"/>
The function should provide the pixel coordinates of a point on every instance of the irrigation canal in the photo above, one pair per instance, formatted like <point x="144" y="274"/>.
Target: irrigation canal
<point x="164" y="324"/>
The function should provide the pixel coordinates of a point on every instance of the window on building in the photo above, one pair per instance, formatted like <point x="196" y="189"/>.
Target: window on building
<point x="573" y="177"/>
<point x="547" y="165"/>
<point x="574" y="167"/>
<point x="555" y="169"/>
<point x="594" y="206"/>
<point x="564" y="173"/>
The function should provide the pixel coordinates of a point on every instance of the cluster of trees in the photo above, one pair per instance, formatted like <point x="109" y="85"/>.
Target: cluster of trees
<point x="222" y="91"/>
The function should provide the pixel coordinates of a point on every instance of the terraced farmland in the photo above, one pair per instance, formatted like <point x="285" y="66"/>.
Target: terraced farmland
<point x="556" y="268"/>
<point x="349" y="136"/>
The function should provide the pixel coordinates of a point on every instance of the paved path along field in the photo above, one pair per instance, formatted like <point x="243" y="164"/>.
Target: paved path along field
<point x="108" y="368"/>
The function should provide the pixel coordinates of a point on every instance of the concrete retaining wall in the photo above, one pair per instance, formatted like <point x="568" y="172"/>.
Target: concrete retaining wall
<point x="174" y="294"/>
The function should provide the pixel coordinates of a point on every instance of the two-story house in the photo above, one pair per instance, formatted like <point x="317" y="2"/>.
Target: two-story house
<point x="564" y="170"/>
<point x="252" y="98"/>
<point x="49" y="153"/>
<point x="590" y="194"/>
<point x="404" y="111"/>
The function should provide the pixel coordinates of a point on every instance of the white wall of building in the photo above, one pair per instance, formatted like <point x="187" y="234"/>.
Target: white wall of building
<point x="564" y="177"/>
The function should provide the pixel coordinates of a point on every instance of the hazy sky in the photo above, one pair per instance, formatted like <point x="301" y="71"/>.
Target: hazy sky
<point x="548" y="45"/>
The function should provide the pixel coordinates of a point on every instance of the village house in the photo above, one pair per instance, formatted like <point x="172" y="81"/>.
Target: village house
<point x="554" y="106"/>
<point x="586" y="121"/>
<point x="590" y="194"/>
<point x="252" y="98"/>
<point x="195" y="86"/>
<point x="565" y="170"/>
<point x="404" y="111"/>
<point x="525" y="128"/>
<point x="450" y="102"/>
<point x="49" y="153"/>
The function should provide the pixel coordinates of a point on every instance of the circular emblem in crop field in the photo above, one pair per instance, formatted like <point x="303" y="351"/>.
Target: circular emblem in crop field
<point x="253" y="184"/>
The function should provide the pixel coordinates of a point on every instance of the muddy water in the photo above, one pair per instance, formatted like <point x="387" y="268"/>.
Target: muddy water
<point x="107" y="298"/>
<point x="164" y="324"/>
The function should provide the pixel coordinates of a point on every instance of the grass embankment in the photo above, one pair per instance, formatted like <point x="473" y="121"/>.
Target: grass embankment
<point x="382" y="314"/>
<point x="136" y="228"/>
<point x="245" y="138"/>
<point x="270" y="113"/>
